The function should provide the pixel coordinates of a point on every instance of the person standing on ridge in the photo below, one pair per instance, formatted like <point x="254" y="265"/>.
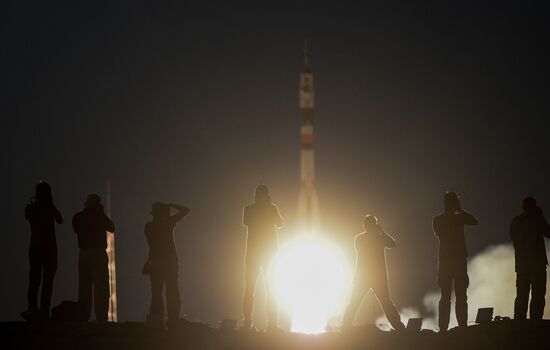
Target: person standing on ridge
<point x="527" y="231"/>
<point x="449" y="229"/>
<point x="91" y="226"/>
<point x="42" y="216"/>
<point x="163" y="263"/>
<point x="262" y="218"/>
<point x="371" y="272"/>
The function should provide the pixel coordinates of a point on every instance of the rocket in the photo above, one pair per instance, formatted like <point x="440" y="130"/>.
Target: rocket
<point x="308" y="202"/>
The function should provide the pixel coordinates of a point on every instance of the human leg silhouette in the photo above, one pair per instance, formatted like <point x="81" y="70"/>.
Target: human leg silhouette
<point x="156" y="309"/>
<point x="173" y="302"/>
<point x="445" y="282"/>
<point x="101" y="286"/>
<point x="538" y="294"/>
<point x="85" y="283"/>
<point x="383" y="294"/>
<point x="523" y="287"/>
<point x="357" y="295"/>
<point x="48" y="273"/>
<point x="461" y="283"/>
<point x="252" y="270"/>
<point x="35" y="276"/>
<point x="271" y="303"/>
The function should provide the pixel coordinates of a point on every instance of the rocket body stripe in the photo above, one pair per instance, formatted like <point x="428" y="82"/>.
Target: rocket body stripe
<point x="308" y="202"/>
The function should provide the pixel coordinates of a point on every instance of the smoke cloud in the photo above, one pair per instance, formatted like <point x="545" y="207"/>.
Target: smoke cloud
<point x="492" y="284"/>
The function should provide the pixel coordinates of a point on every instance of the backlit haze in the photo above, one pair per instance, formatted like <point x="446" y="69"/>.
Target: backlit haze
<point x="196" y="104"/>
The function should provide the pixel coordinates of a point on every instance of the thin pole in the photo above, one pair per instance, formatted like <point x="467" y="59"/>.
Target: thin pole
<point x="112" y="265"/>
<point x="373" y="306"/>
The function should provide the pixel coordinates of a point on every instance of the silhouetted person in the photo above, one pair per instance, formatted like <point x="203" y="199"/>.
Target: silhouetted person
<point x="91" y="226"/>
<point x="371" y="272"/>
<point x="527" y="232"/>
<point x="42" y="215"/>
<point x="262" y="219"/>
<point x="449" y="229"/>
<point x="163" y="263"/>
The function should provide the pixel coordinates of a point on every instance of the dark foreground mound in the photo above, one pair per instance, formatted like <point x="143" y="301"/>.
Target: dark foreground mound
<point x="61" y="336"/>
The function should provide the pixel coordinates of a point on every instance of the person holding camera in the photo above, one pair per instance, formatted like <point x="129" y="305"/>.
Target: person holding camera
<point x="453" y="266"/>
<point x="262" y="219"/>
<point x="371" y="272"/>
<point x="42" y="216"/>
<point x="162" y="266"/>
<point x="91" y="226"/>
<point x="527" y="231"/>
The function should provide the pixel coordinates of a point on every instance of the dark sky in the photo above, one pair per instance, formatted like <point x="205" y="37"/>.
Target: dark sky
<point x="197" y="102"/>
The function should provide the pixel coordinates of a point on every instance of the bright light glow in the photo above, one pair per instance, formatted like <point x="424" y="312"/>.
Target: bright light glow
<point x="311" y="279"/>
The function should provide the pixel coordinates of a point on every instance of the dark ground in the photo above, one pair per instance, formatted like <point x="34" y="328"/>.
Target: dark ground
<point x="497" y="335"/>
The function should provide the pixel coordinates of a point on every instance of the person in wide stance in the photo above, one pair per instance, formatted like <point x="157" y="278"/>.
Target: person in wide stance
<point x="371" y="272"/>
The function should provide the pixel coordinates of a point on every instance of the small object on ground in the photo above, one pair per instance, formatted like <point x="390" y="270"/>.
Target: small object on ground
<point x="484" y="315"/>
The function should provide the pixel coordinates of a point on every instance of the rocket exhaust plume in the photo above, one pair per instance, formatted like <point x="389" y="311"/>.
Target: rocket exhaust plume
<point x="492" y="284"/>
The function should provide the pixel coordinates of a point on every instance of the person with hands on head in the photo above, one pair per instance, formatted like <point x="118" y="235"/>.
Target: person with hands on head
<point x="162" y="265"/>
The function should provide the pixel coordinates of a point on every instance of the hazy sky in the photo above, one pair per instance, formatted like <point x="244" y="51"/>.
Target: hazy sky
<point x="197" y="102"/>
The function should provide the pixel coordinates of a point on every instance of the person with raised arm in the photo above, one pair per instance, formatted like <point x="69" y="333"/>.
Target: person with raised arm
<point x="262" y="219"/>
<point x="162" y="265"/>
<point x="527" y="232"/>
<point x="371" y="272"/>
<point x="448" y="227"/>
<point x="42" y="216"/>
<point x="91" y="226"/>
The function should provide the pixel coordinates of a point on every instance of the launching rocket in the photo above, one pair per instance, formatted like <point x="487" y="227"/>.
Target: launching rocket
<point x="308" y="202"/>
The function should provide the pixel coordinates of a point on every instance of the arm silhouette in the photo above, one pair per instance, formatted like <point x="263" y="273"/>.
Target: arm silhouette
<point x="109" y="225"/>
<point x="245" y="217"/>
<point x="57" y="216"/>
<point x="514" y="231"/>
<point x="278" y="218"/>
<point x="435" y="226"/>
<point x="469" y="218"/>
<point x="75" y="223"/>
<point x="389" y="241"/>
<point x="543" y="225"/>
<point x="182" y="212"/>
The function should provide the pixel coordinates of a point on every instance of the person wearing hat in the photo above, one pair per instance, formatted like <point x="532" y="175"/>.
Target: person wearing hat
<point x="91" y="226"/>
<point x="448" y="227"/>
<point x="162" y="265"/>
<point x="261" y="219"/>
<point x="528" y="231"/>
<point x="42" y="216"/>
<point x="371" y="272"/>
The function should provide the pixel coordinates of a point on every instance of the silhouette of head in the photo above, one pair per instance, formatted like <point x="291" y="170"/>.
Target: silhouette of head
<point x="370" y="222"/>
<point x="529" y="204"/>
<point x="43" y="193"/>
<point x="451" y="202"/>
<point x="160" y="210"/>
<point x="262" y="194"/>
<point x="93" y="201"/>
